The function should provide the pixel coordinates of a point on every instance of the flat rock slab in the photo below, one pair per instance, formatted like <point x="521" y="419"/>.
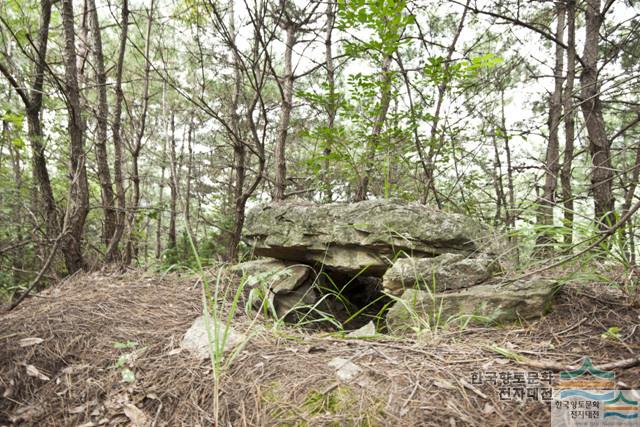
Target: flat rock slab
<point x="438" y="274"/>
<point x="366" y="235"/>
<point x="486" y="304"/>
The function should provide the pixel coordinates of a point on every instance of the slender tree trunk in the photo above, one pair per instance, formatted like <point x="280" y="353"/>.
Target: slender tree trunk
<point x="36" y="136"/>
<point x="239" y="151"/>
<point x="104" y="175"/>
<point x="285" y="115"/>
<point x="569" y="124"/>
<point x="33" y="106"/>
<point x="442" y="91"/>
<point x="552" y="161"/>
<point x="79" y="191"/>
<point x="173" y="185"/>
<point x="599" y="146"/>
<point x="187" y="191"/>
<point x="118" y="160"/>
<point x="501" y="198"/>
<point x="158" y="250"/>
<point x="374" y="139"/>
<point x="510" y="207"/>
<point x="18" y="259"/>
<point x="131" y="249"/>
<point x="331" y="104"/>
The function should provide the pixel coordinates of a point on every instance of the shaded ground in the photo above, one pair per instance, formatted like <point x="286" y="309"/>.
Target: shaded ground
<point x="74" y="376"/>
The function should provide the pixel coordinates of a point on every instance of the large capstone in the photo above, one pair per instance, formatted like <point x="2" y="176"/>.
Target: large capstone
<point x="441" y="273"/>
<point x="368" y="235"/>
<point x="487" y="304"/>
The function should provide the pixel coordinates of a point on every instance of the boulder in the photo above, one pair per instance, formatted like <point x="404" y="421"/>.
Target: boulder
<point x="488" y="304"/>
<point x="353" y="237"/>
<point x="223" y="338"/>
<point x="284" y="285"/>
<point x="438" y="274"/>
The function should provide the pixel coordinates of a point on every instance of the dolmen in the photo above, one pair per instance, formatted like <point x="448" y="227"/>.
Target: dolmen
<point x="433" y="266"/>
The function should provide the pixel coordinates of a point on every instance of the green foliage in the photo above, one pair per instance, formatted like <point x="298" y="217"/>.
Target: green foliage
<point x="386" y="19"/>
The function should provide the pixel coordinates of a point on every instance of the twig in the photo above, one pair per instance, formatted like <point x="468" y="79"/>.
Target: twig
<point x="557" y="366"/>
<point x="44" y="268"/>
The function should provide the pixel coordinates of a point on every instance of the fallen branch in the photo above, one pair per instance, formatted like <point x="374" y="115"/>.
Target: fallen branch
<point x="558" y="366"/>
<point x="43" y="270"/>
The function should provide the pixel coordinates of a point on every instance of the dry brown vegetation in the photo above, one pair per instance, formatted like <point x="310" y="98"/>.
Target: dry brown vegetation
<point x="282" y="376"/>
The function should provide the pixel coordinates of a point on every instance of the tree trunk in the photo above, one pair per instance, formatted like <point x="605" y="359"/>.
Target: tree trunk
<point x="510" y="207"/>
<point x="331" y="104"/>
<point x="173" y="185"/>
<point x="599" y="146"/>
<point x="187" y="191"/>
<point x="239" y="151"/>
<point x="158" y="250"/>
<point x="285" y="115"/>
<point x="78" y="204"/>
<point x="104" y="175"/>
<point x="374" y="139"/>
<point x="569" y="124"/>
<point x="131" y="250"/>
<point x="118" y="161"/>
<point x="552" y="161"/>
<point x="430" y="184"/>
<point x="33" y="105"/>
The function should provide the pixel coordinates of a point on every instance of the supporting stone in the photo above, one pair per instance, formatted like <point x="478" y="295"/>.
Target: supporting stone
<point x="486" y="304"/>
<point x="438" y="274"/>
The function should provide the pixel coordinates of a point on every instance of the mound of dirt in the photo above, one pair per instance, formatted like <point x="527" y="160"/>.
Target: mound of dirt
<point x="104" y="349"/>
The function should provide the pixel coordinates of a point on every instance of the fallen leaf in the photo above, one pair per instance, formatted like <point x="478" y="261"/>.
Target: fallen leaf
<point x="138" y="418"/>
<point x="32" y="371"/>
<point x="488" y="409"/>
<point x="28" y="342"/>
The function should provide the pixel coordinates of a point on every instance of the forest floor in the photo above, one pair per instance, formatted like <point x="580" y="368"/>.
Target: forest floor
<point x="104" y="349"/>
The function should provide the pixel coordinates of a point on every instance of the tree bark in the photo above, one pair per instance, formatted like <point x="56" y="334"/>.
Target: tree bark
<point x="32" y="101"/>
<point x="113" y="254"/>
<point x="569" y="124"/>
<point x="374" y="139"/>
<point x="599" y="146"/>
<point x="76" y="214"/>
<point x="239" y="150"/>
<point x="552" y="160"/>
<point x="331" y="104"/>
<point x="173" y="185"/>
<point x="285" y="114"/>
<point x="104" y="174"/>
<point x="131" y="249"/>
<point x="163" y="158"/>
